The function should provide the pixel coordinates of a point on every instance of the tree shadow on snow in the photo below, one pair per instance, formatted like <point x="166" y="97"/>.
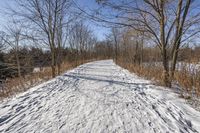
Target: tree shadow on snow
<point x="135" y="86"/>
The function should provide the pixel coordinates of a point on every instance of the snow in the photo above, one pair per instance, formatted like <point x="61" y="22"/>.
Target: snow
<point x="36" y="70"/>
<point x="98" y="97"/>
<point x="193" y="68"/>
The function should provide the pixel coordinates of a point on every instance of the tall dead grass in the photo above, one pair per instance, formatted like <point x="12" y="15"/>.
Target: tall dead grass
<point x="188" y="81"/>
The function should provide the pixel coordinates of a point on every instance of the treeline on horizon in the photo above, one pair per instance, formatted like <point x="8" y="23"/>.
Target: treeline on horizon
<point x="49" y="33"/>
<point x="31" y="57"/>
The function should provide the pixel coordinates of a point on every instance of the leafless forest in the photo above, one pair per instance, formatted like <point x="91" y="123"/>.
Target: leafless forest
<point x="156" y="39"/>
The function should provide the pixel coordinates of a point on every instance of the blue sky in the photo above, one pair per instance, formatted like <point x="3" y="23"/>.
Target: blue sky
<point x="99" y="31"/>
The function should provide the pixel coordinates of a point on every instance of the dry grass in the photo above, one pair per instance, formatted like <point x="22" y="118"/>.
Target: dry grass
<point x="189" y="82"/>
<point x="151" y="73"/>
<point x="16" y="85"/>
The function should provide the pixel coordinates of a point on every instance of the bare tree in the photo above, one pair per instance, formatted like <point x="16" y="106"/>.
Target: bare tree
<point x="67" y="15"/>
<point x="169" y="22"/>
<point x="12" y="38"/>
<point x="134" y="40"/>
<point x="47" y="18"/>
<point x="2" y="41"/>
<point x="81" y="39"/>
<point x="115" y="36"/>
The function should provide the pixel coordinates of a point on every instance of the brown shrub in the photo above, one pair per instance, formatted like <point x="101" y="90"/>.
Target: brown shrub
<point x="188" y="81"/>
<point x="15" y="85"/>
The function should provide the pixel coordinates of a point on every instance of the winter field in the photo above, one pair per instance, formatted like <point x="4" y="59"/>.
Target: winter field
<point x="193" y="68"/>
<point x="98" y="97"/>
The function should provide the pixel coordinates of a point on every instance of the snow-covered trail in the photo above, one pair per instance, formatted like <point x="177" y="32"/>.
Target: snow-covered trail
<point x="97" y="97"/>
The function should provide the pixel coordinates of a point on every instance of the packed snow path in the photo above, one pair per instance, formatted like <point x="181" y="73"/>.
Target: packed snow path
<point x="97" y="97"/>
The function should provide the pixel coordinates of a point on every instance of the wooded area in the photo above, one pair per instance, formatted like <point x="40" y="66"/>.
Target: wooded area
<point x="51" y="33"/>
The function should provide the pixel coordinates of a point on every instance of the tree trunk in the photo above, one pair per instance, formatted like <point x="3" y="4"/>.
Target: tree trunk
<point x="59" y="56"/>
<point x="76" y="57"/>
<point x="59" y="68"/>
<point x="18" y="65"/>
<point x="178" y="36"/>
<point x="116" y="49"/>
<point x="53" y="63"/>
<point x="166" y="76"/>
<point x="141" y="53"/>
<point x="173" y="65"/>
